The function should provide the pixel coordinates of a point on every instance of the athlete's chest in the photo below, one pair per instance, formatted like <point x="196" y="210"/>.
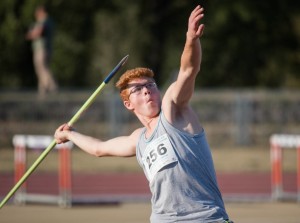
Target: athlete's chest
<point x="158" y="153"/>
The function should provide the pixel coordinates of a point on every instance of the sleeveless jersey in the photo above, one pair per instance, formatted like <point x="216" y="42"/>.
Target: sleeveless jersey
<point x="181" y="175"/>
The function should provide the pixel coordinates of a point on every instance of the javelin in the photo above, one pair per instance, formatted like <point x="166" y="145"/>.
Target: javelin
<point x="88" y="102"/>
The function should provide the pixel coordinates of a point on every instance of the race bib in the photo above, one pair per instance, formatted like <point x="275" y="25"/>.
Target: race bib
<point x="158" y="154"/>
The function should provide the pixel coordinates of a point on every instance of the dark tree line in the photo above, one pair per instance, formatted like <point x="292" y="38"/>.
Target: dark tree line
<point x="246" y="43"/>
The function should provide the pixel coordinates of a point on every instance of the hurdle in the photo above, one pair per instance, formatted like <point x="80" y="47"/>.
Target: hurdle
<point x="23" y="142"/>
<point x="279" y="142"/>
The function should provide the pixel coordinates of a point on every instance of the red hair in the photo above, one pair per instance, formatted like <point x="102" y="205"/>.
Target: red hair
<point x="130" y="75"/>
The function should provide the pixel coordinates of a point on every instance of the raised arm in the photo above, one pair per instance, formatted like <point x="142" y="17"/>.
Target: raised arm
<point x="182" y="89"/>
<point x="123" y="146"/>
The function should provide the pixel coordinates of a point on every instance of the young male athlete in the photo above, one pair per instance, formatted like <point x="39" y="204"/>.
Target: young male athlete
<point x="171" y="147"/>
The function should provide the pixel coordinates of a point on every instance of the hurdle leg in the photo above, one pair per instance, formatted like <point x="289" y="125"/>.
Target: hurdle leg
<point x="298" y="174"/>
<point x="65" y="184"/>
<point x="276" y="158"/>
<point x="20" y="168"/>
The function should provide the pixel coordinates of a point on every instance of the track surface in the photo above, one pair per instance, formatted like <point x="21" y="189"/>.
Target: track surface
<point x="135" y="186"/>
<point x="242" y="186"/>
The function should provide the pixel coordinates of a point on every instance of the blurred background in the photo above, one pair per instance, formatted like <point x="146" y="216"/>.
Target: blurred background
<point x="246" y="44"/>
<point x="248" y="88"/>
<point x="249" y="76"/>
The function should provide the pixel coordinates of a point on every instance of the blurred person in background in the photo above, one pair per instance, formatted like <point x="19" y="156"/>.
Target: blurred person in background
<point x="41" y="34"/>
<point x="171" y="147"/>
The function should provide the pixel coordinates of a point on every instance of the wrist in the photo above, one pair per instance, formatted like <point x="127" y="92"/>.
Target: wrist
<point x="70" y="134"/>
<point x="192" y="39"/>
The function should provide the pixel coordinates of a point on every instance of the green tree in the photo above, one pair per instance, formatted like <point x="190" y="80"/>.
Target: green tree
<point x="14" y="53"/>
<point x="250" y="43"/>
<point x="246" y="43"/>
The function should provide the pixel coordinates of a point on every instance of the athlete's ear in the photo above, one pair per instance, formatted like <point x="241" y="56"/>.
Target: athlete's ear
<point x="128" y="105"/>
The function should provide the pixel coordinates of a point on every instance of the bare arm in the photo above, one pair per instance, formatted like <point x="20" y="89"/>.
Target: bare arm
<point x="35" y="32"/>
<point x="175" y="104"/>
<point x="123" y="146"/>
<point x="182" y="89"/>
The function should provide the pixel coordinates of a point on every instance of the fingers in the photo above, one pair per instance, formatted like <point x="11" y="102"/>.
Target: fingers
<point x="67" y="127"/>
<point x="200" y="30"/>
<point x="197" y="14"/>
<point x="61" y="133"/>
<point x="195" y="29"/>
<point x="199" y="9"/>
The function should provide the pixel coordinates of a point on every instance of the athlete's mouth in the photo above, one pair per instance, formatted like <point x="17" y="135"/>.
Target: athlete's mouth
<point x="149" y="100"/>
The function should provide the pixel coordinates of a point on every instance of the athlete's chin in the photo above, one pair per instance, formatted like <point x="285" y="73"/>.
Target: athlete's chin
<point x="152" y="111"/>
<point x="155" y="112"/>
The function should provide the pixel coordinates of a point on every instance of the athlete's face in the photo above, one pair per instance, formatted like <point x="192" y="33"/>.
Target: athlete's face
<point x="143" y="97"/>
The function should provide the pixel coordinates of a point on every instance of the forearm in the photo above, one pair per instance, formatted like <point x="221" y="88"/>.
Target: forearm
<point x="182" y="90"/>
<point x="34" y="33"/>
<point x="122" y="146"/>
<point x="86" y="143"/>
<point x="191" y="56"/>
<point x="192" y="52"/>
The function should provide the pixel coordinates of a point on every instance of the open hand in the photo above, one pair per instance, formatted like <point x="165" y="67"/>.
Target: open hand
<point x="195" y="29"/>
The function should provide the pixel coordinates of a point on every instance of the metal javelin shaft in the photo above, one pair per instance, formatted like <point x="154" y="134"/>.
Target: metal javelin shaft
<point x="88" y="102"/>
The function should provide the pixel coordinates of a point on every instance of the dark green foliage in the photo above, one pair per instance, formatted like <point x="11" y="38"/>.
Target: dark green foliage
<point x="245" y="44"/>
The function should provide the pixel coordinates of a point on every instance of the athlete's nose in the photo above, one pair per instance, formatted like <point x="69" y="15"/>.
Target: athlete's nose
<point x="146" y="90"/>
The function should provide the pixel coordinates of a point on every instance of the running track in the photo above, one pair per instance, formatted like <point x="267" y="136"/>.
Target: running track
<point x="134" y="187"/>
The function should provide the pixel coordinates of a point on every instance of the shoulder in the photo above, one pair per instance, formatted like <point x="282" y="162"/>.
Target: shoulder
<point x="169" y="106"/>
<point x="167" y="99"/>
<point x="135" y="135"/>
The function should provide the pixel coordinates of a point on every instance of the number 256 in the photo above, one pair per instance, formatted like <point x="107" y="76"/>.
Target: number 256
<point x="159" y="151"/>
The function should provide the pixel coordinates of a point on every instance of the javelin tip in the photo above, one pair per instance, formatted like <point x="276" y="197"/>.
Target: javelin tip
<point x="124" y="60"/>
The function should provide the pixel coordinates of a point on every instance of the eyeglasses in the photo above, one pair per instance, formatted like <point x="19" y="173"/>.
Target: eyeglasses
<point x="138" y="88"/>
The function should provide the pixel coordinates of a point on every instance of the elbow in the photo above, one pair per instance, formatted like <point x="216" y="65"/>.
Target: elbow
<point x="97" y="150"/>
<point x="98" y="153"/>
<point x="196" y="70"/>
